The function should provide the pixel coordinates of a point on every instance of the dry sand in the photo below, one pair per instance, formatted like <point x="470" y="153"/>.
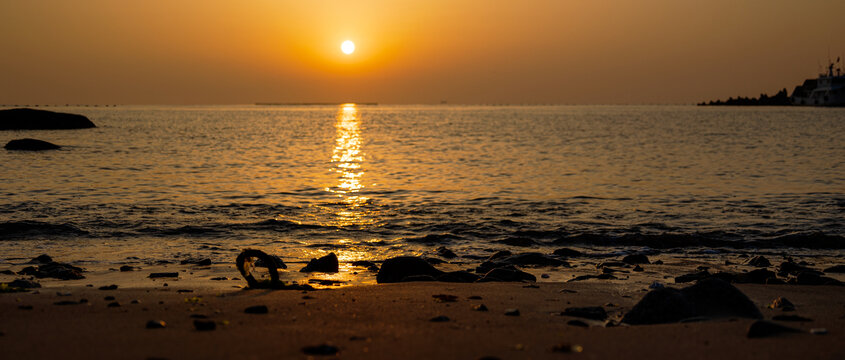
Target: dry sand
<point x="392" y="321"/>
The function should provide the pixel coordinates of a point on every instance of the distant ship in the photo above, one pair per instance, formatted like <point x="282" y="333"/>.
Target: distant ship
<point x="826" y="90"/>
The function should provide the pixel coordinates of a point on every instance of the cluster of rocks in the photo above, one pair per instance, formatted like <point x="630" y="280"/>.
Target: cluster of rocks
<point x="788" y="272"/>
<point x="52" y="269"/>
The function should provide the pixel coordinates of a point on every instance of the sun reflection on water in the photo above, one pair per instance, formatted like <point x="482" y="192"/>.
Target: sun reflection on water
<point x="347" y="161"/>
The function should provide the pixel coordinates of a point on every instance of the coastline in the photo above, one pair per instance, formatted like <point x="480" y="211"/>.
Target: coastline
<point x="368" y="321"/>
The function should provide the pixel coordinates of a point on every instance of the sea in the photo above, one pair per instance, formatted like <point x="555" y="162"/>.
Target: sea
<point x="152" y="184"/>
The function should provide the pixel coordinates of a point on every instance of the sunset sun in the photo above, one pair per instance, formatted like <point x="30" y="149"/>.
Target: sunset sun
<point x="347" y="47"/>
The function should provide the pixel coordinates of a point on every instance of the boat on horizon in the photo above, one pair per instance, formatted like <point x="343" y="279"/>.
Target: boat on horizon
<point x="826" y="90"/>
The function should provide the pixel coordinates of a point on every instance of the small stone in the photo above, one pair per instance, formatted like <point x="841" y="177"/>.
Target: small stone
<point x="440" y="318"/>
<point x="758" y="261"/>
<point x="544" y="276"/>
<point x="163" y="275"/>
<point x="320" y="350"/>
<point x="156" y="324"/>
<point x="108" y="298"/>
<point x="257" y="309"/>
<point x="109" y="287"/>
<point x="219" y="278"/>
<point x="474" y="297"/>
<point x="818" y="331"/>
<point x="782" y="303"/>
<point x="512" y="312"/>
<point x="634" y="259"/>
<point x="658" y="262"/>
<point x="445" y="298"/>
<point x="763" y="328"/>
<point x="126" y="268"/>
<point x="326" y="264"/>
<point x="637" y="268"/>
<point x="66" y="302"/>
<point x="567" y="348"/>
<point x="113" y="304"/>
<point x="204" y="325"/>
<point x="135" y="301"/>
<point x="182" y="291"/>
<point x="41" y="259"/>
<point x="446" y="253"/>
<point x="479" y="307"/>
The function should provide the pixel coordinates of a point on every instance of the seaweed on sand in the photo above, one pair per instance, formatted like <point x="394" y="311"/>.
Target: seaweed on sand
<point x="246" y="257"/>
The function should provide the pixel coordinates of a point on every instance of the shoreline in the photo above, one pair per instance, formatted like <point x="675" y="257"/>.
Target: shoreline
<point x="394" y="320"/>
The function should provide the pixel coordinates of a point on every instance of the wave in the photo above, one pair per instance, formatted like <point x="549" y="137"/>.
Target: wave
<point x="23" y="229"/>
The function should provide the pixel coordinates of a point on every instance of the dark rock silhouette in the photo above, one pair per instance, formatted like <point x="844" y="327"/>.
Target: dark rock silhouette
<point x="30" y="119"/>
<point x="708" y="298"/>
<point x="326" y="264"/>
<point x="30" y="145"/>
<point x="398" y="268"/>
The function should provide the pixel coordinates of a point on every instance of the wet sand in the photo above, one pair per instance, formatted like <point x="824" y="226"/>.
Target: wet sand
<point x="390" y="321"/>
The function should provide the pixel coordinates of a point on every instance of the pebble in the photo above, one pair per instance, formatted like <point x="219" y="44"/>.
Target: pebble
<point x="323" y="349"/>
<point x="163" y="275"/>
<point x="108" y="298"/>
<point x="512" y="312"/>
<point x="818" y="331"/>
<point x="637" y="268"/>
<point x="544" y="276"/>
<point x="440" y="318"/>
<point x="205" y="325"/>
<point x="220" y="278"/>
<point x="125" y="268"/>
<point x="114" y="304"/>
<point x="156" y="324"/>
<point x="567" y="348"/>
<point x="445" y="298"/>
<point x="257" y="309"/>
<point x="782" y="303"/>
<point x="479" y="307"/>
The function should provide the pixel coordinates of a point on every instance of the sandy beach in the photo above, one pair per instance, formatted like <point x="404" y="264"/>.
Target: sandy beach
<point x="417" y="320"/>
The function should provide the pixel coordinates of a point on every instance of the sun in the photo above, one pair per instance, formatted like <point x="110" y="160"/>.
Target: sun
<point x="347" y="47"/>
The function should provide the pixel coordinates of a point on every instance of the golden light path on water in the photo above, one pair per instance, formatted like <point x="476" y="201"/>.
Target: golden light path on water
<point x="348" y="159"/>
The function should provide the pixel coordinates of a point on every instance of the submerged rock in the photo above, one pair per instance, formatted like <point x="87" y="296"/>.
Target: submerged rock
<point x="635" y="259"/>
<point x="397" y="269"/>
<point x="326" y="264"/>
<point x="446" y="253"/>
<point x="30" y="145"/>
<point x="567" y="252"/>
<point x="758" y="261"/>
<point x="31" y="119"/>
<point x="41" y="259"/>
<point x="708" y="298"/>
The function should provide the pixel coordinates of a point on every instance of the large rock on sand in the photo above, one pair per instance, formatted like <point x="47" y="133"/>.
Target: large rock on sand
<point x="398" y="268"/>
<point x="710" y="298"/>
<point x="31" y="119"/>
<point x="31" y="145"/>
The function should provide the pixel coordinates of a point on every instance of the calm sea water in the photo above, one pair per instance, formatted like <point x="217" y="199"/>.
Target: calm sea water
<point x="372" y="181"/>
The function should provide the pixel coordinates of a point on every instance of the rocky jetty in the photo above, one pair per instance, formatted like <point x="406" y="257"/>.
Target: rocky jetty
<point x="31" y="119"/>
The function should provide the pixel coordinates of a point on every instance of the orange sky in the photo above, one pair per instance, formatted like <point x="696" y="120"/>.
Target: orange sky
<point x="410" y="51"/>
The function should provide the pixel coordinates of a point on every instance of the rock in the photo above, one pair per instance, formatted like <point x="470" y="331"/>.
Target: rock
<point x="257" y="309"/>
<point x="635" y="259"/>
<point x="446" y="253"/>
<point x="109" y="287"/>
<point x="41" y="259"/>
<point x="204" y="325"/>
<point x="458" y="277"/>
<point x="113" y="304"/>
<point x="24" y="284"/>
<point x="156" y="324"/>
<point x="501" y="254"/>
<point x="320" y="350"/>
<point x="441" y="318"/>
<point x="692" y="277"/>
<point x="126" y="268"/>
<point x="445" y="298"/>
<point x="637" y="268"/>
<point x="108" y="298"/>
<point x="31" y="119"/>
<point x="219" y="278"/>
<point x="512" y="312"/>
<point x="396" y="269"/>
<point x="588" y="312"/>
<point x="326" y="264"/>
<point x="758" y="261"/>
<point x="759" y="276"/>
<point x="200" y="262"/>
<point x="791" y="268"/>
<point x="479" y="307"/>
<point x="763" y="328"/>
<point x="67" y="302"/>
<point x="54" y="270"/>
<point x="791" y="318"/>
<point x="782" y="303"/>
<point x="163" y="275"/>
<point x="507" y="274"/>
<point x="710" y="298"/>
<point x="30" y="145"/>
<point x="567" y="348"/>
<point x="818" y="331"/>
<point x="658" y="262"/>
<point x="567" y="252"/>
<point x="835" y="269"/>
<point x="812" y="278"/>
